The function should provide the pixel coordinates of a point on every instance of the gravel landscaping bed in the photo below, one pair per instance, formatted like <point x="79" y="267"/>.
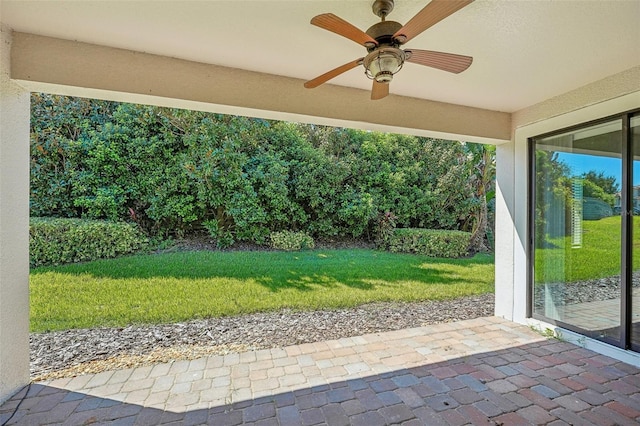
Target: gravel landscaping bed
<point x="594" y="290"/>
<point x="74" y="352"/>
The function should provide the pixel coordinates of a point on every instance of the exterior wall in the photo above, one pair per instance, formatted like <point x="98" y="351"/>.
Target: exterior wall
<point x="14" y="228"/>
<point x="591" y="95"/>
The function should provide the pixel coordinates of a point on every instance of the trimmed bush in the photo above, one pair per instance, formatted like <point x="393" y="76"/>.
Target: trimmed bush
<point x="291" y="241"/>
<point x="430" y="242"/>
<point x="56" y="241"/>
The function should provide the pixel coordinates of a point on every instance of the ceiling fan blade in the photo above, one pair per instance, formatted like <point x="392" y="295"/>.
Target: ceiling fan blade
<point x="443" y="61"/>
<point x="331" y="74"/>
<point x="379" y="90"/>
<point x="430" y="15"/>
<point x="332" y="23"/>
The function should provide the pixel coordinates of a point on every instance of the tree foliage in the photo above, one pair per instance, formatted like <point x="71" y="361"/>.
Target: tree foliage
<point x="482" y="181"/>
<point x="555" y="194"/>
<point x="176" y="172"/>
<point x="609" y="184"/>
<point x="552" y="197"/>
<point x="597" y="185"/>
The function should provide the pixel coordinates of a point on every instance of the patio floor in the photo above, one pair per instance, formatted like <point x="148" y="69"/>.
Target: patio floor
<point x="482" y="371"/>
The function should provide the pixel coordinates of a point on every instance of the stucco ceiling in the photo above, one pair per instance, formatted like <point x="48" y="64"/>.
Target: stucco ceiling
<point x="524" y="51"/>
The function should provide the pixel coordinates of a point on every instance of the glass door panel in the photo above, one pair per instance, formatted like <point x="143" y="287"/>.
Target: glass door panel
<point x="635" y="234"/>
<point x="577" y="229"/>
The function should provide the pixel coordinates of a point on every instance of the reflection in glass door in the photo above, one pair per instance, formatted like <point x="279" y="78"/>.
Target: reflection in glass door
<point x="635" y="235"/>
<point x="577" y="229"/>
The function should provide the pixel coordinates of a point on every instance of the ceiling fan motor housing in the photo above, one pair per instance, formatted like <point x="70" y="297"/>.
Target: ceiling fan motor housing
<point x="383" y="32"/>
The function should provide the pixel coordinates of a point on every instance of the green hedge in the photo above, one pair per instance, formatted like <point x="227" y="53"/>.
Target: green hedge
<point x="291" y="241"/>
<point x="429" y="242"/>
<point x="56" y="241"/>
<point x="176" y="172"/>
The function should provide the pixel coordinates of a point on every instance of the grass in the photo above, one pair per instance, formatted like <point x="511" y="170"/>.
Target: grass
<point x="176" y="287"/>
<point x="598" y="257"/>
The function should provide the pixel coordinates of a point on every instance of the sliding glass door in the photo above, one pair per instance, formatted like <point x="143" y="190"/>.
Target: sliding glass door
<point x="577" y="229"/>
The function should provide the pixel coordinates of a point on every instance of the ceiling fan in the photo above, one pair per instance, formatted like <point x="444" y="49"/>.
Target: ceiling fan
<point x="383" y="41"/>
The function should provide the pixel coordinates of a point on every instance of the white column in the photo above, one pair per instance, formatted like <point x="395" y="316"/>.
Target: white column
<point x="520" y="231"/>
<point x="14" y="227"/>
<point x="505" y="230"/>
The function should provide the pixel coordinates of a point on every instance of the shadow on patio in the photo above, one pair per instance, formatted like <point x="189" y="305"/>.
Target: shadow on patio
<point x="482" y="371"/>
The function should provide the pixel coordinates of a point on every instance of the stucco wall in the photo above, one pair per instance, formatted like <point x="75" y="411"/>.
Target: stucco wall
<point x="14" y="228"/>
<point x="614" y="86"/>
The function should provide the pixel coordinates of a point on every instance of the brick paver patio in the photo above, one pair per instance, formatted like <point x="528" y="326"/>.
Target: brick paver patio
<point x="482" y="371"/>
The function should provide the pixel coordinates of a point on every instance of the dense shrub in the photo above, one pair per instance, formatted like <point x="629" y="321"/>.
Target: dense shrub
<point x="291" y="241"/>
<point x="176" y="172"/>
<point x="385" y="230"/>
<point x="429" y="242"/>
<point x="57" y="241"/>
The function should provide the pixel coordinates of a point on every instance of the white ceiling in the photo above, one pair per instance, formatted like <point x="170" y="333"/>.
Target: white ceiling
<point x="524" y="51"/>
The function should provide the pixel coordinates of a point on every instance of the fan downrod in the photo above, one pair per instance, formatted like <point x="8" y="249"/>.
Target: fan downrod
<point x="382" y="8"/>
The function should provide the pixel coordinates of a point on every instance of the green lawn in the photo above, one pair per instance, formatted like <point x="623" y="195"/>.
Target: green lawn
<point x="597" y="257"/>
<point x="174" y="287"/>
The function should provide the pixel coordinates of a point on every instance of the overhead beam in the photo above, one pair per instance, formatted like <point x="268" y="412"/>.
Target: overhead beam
<point x="68" y="67"/>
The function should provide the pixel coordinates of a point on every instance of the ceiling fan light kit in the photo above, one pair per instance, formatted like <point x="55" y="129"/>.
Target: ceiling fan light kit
<point x="383" y="41"/>
<point x="381" y="64"/>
